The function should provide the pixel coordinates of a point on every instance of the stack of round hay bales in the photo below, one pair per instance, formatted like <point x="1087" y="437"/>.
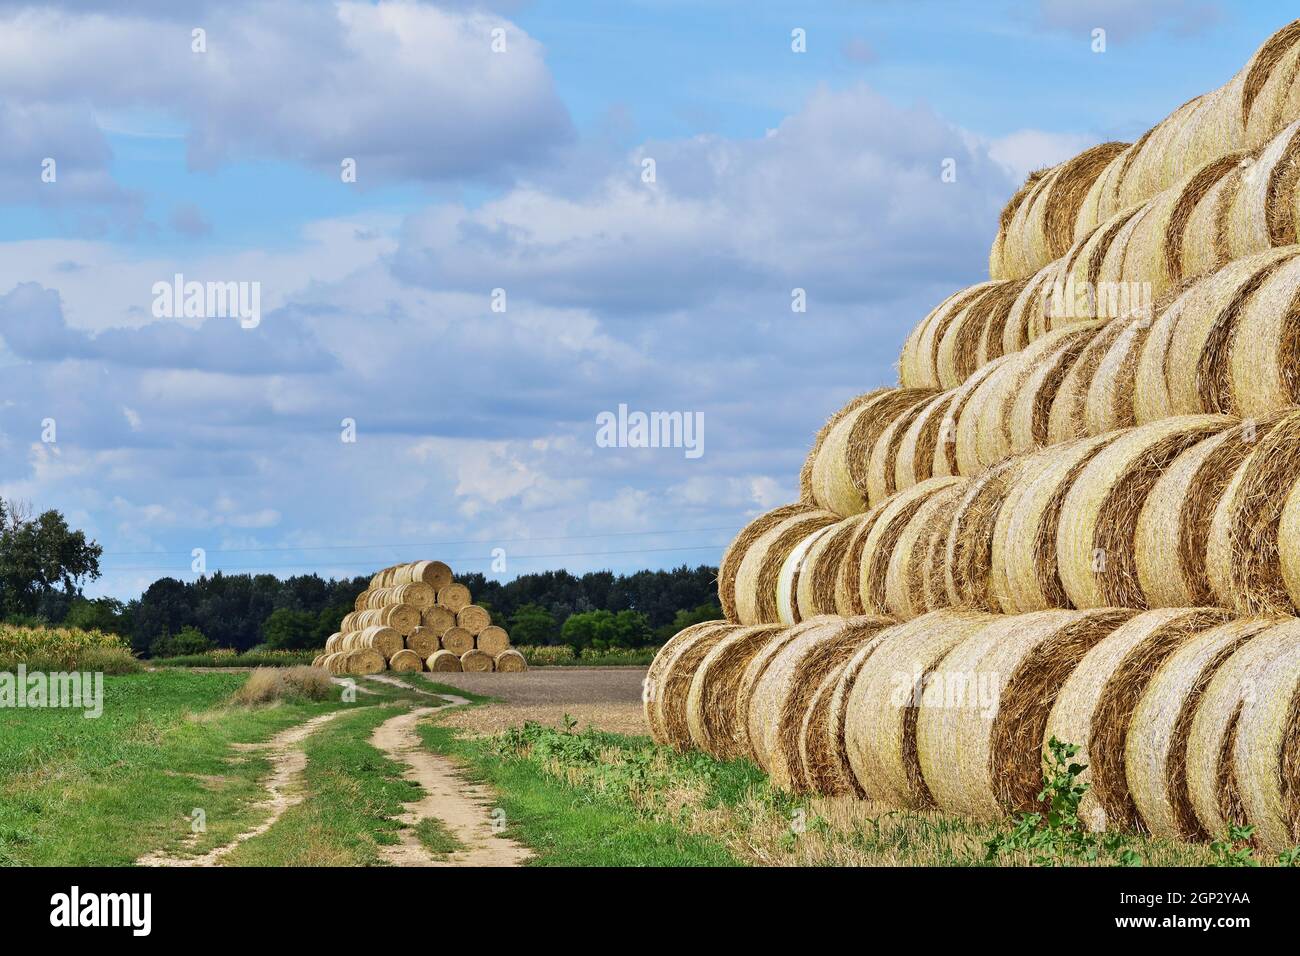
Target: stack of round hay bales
<point x="1080" y="505"/>
<point x="418" y="618"/>
<point x="1188" y="719"/>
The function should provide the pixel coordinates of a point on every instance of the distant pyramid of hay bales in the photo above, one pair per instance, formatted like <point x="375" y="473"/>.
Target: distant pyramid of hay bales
<point x="414" y="617"/>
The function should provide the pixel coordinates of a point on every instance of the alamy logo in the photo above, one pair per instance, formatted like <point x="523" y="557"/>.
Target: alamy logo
<point x="651" y="430"/>
<point x="72" y="909"/>
<point x="208" y="300"/>
<point x="37" y="689"/>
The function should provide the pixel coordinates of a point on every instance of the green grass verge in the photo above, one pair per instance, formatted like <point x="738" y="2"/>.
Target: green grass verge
<point x="102" y="792"/>
<point x="573" y="826"/>
<point x="354" y="793"/>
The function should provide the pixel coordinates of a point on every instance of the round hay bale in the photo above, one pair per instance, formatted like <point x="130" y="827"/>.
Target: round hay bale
<point x="1037" y="226"/>
<point x="783" y="693"/>
<point x="1288" y="533"/>
<point x="748" y="683"/>
<point x="493" y="640"/>
<point x="457" y="640"/>
<point x="406" y="661"/>
<point x="361" y="602"/>
<point x="880" y="708"/>
<point x="1094" y="709"/>
<point x="1024" y="574"/>
<point x="1027" y="318"/>
<point x="1173" y="529"/>
<point x="1015" y="418"/>
<point x="673" y="685"/>
<point x="423" y="641"/>
<point x="967" y="564"/>
<point x="883" y="458"/>
<point x="984" y="404"/>
<point x="1266" y="754"/>
<point x="434" y="574"/>
<point x="349" y="622"/>
<point x="1243" y="738"/>
<point x="316" y="661"/>
<point x="735" y="553"/>
<point x="982" y="717"/>
<point x="815" y="586"/>
<point x="914" y="461"/>
<point x="945" y="461"/>
<point x="792" y="573"/>
<point x="881" y="540"/>
<point x="821" y="774"/>
<point x="1263" y="373"/>
<point x="827" y="762"/>
<point x="1245" y="540"/>
<point x="848" y="590"/>
<point x="476" y="661"/>
<point x="329" y="662"/>
<point x="1095" y="546"/>
<point x="1259" y="215"/>
<point x="650" y="697"/>
<point x="838" y="469"/>
<point x="473" y="618"/>
<point x="402" y="618"/>
<point x="1108" y="404"/>
<point x="416" y="593"/>
<point x="444" y="661"/>
<point x="711" y="718"/>
<point x="364" y="660"/>
<point x="919" y="363"/>
<point x="972" y="331"/>
<point x="438" y="619"/>
<point x="756" y="578"/>
<point x="387" y="640"/>
<point x="908" y="567"/>
<point x="454" y="596"/>
<point x="1155" y="752"/>
<point x="1196" y="363"/>
<point x="510" y="661"/>
<point x="331" y="642"/>
<point x="1067" y="418"/>
<point x="1156" y="251"/>
<point x="807" y="495"/>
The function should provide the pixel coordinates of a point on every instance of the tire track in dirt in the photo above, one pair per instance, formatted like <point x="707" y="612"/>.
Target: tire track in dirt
<point x="461" y="806"/>
<point x="283" y="789"/>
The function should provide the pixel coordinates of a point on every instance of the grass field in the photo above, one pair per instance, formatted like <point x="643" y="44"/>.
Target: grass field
<point x="106" y="791"/>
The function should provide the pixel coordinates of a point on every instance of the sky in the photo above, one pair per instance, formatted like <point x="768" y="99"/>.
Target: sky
<point x="559" y="208"/>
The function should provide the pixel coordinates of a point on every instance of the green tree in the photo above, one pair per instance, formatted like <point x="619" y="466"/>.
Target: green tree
<point x="592" y="629"/>
<point x="683" y="619"/>
<point x="190" y="640"/>
<point x="287" y="630"/>
<point x="43" y="562"/>
<point x="98" y="614"/>
<point x="532" y="626"/>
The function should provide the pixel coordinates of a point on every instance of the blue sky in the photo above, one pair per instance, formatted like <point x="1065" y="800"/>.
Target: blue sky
<point x="518" y="170"/>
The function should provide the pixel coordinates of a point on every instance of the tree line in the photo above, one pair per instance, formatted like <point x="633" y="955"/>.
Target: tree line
<point x="44" y="565"/>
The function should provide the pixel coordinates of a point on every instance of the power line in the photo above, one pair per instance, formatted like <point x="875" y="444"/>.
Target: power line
<point x="422" y="544"/>
<point x="350" y="564"/>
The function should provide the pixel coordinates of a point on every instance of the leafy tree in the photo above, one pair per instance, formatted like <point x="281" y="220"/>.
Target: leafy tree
<point x="190" y="640"/>
<point x="43" y="562"/>
<point x="684" y="619"/>
<point x="287" y="630"/>
<point x="98" y="614"/>
<point x="601" y="630"/>
<point x="532" y="625"/>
